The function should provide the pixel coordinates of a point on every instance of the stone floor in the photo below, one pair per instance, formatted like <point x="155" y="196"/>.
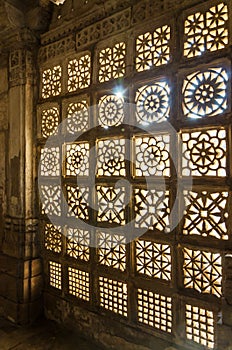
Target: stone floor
<point x="45" y="335"/>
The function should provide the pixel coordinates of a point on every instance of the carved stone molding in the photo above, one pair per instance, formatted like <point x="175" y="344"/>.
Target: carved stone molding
<point x="20" y="67"/>
<point x="60" y="47"/>
<point x="111" y="25"/>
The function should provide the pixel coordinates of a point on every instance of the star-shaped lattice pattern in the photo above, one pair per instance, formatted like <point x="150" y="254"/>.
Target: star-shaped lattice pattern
<point x="51" y="199"/>
<point x="52" y="238"/>
<point x="153" y="259"/>
<point x="79" y="73"/>
<point x="111" y="250"/>
<point x="111" y="204"/>
<point x="110" y="110"/>
<point x="78" y="202"/>
<point x="206" y="214"/>
<point x="206" y="31"/>
<point x="152" y="209"/>
<point x="77" y="117"/>
<point x="203" y="271"/>
<point x="112" y="63"/>
<point x="205" y="93"/>
<point x="78" y="242"/>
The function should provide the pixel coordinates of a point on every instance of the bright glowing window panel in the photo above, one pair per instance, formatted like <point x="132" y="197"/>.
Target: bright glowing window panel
<point x="53" y="238"/>
<point x="51" y="199"/>
<point x="152" y="155"/>
<point x="78" y="242"/>
<point x="111" y="157"/>
<point x="205" y="93"/>
<point x="155" y="310"/>
<point x="79" y="73"/>
<point x="77" y="159"/>
<point x="203" y="271"/>
<point x="78" y="202"/>
<point x="204" y="153"/>
<point x="112" y="63"/>
<point x="111" y="204"/>
<point x="77" y="117"/>
<point x="78" y="283"/>
<point x="153" y="259"/>
<point x="152" y="209"/>
<point x="51" y="82"/>
<point x="206" y="214"/>
<point x="153" y="103"/>
<point x="50" y="161"/>
<point x="55" y="274"/>
<point x="110" y="110"/>
<point x="206" y="31"/>
<point x="111" y="250"/>
<point x="200" y="325"/>
<point x="113" y="295"/>
<point x="153" y="49"/>
<point x="49" y="121"/>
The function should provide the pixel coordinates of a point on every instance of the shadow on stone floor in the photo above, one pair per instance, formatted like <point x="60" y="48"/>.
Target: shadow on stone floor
<point x="44" y="335"/>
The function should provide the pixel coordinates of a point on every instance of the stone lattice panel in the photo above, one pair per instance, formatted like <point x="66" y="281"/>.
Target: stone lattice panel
<point x="111" y="204"/>
<point x="206" y="31"/>
<point x="206" y="214"/>
<point x="51" y="82"/>
<point x="110" y="110"/>
<point x="152" y="209"/>
<point x="153" y="103"/>
<point x="153" y="48"/>
<point x="50" y="161"/>
<point x="153" y="259"/>
<point x="79" y="73"/>
<point x="111" y="250"/>
<point x="111" y="157"/>
<point x="112" y="64"/>
<point x="77" y="159"/>
<point x="155" y="310"/>
<point x="79" y="283"/>
<point x="78" y="242"/>
<point x="205" y="93"/>
<point x="55" y="277"/>
<point x="51" y="199"/>
<point x="49" y="121"/>
<point x="152" y="156"/>
<point x="78" y="201"/>
<point x="204" y="153"/>
<point x="203" y="271"/>
<point x="200" y="326"/>
<point x="77" y="114"/>
<point x="113" y="295"/>
<point x="53" y="238"/>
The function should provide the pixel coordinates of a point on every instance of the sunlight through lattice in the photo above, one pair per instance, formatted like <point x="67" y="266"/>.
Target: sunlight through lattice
<point x="113" y="295"/>
<point x="153" y="49"/>
<point x="155" y="310"/>
<point x="112" y="62"/>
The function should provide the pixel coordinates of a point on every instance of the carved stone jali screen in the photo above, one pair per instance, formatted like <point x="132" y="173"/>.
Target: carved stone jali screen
<point x="134" y="131"/>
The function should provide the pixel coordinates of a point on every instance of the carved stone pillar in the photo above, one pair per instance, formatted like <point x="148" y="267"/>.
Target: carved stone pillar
<point x="20" y="265"/>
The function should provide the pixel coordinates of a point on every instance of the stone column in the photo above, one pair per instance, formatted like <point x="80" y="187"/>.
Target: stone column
<point x="20" y="265"/>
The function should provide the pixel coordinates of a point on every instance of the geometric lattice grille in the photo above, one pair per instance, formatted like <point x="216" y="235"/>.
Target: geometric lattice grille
<point x="51" y="200"/>
<point x="78" y="242"/>
<point x="203" y="271"/>
<point x="113" y="295"/>
<point x="110" y="157"/>
<point x="49" y="121"/>
<point x="77" y="117"/>
<point x="205" y="93"/>
<point x="152" y="209"/>
<point x="153" y="259"/>
<point x="152" y="49"/>
<point x="152" y="103"/>
<point x="77" y="200"/>
<point x="204" y="153"/>
<point x="110" y="110"/>
<point x="112" y="250"/>
<point x="155" y="310"/>
<point x="77" y="159"/>
<point x="55" y="274"/>
<point x="79" y="71"/>
<point x="206" y="31"/>
<point x="200" y="325"/>
<point x="111" y="204"/>
<point x="50" y="161"/>
<point x="78" y="283"/>
<point x="206" y="214"/>
<point x="112" y="62"/>
<point x="152" y="155"/>
<point x="53" y="238"/>
<point x="51" y="82"/>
